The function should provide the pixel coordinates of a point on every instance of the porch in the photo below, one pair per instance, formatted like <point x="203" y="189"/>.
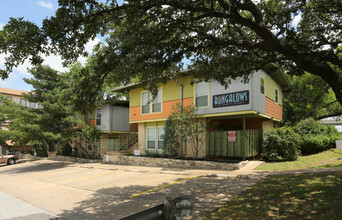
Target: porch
<point x="234" y="136"/>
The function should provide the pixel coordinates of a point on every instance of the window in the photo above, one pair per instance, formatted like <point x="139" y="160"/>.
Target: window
<point x="10" y="97"/>
<point x="262" y="85"/>
<point x="151" y="138"/>
<point x="156" y="103"/>
<point x="161" y="135"/>
<point x="276" y="97"/>
<point x="145" y="102"/>
<point x="23" y="102"/>
<point x="201" y="94"/>
<point x="155" y="138"/>
<point x="147" y="105"/>
<point x="31" y="104"/>
<point x="98" y="116"/>
<point x="40" y="106"/>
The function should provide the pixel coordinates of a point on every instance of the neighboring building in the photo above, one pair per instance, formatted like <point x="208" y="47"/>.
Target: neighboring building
<point x="252" y="107"/>
<point x="112" y="119"/>
<point x="17" y="97"/>
<point x="336" y="121"/>
<point x="14" y="95"/>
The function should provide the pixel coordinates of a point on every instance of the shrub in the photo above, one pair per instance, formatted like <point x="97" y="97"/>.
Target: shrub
<point x="316" y="137"/>
<point x="281" y="144"/>
<point x="64" y="150"/>
<point x="316" y="143"/>
<point x="40" y="150"/>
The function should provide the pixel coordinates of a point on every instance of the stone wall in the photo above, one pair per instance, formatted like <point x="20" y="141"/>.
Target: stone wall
<point x="170" y="163"/>
<point x="72" y="159"/>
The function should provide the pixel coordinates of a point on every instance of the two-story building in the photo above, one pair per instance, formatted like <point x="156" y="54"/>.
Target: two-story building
<point x="17" y="97"/>
<point x="242" y="110"/>
<point x="112" y="119"/>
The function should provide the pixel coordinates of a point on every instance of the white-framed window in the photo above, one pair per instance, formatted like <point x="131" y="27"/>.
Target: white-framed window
<point x="10" y="97"/>
<point x="98" y="116"/>
<point x="145" y="102"/>
<point x="262" y="85"/>
<point x="155" y="138"/>
<point x="201" y="94"/>
<point x="23" y="102"/>
<point x="147" y="106"/>
<point x="156" y="103"/>
<point x="31" y="104"/>
<point x="276" y="95"/>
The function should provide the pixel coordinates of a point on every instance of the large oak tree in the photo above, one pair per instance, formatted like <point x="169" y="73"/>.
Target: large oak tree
<point x="149" y="39"/>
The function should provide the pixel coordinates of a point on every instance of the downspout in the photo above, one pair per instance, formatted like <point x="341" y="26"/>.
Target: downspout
<point x="181" y="109"/>
<point x="183" y="152"/>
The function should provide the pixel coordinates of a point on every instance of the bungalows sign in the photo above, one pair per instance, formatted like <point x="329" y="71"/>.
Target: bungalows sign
<point x="231" y="99"/>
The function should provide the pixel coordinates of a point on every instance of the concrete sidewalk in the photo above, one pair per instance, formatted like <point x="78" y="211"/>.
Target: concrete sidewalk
<point x="12" y="208"/>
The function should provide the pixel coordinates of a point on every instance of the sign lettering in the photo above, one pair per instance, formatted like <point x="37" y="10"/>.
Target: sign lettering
<point x="231" y="99"/>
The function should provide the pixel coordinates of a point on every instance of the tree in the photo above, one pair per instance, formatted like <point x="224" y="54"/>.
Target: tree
<point x="20" y="122"/>
<point x="172" y="141"/>
<point x="91" y="135"/>
<point x="188" y="127"/>
<point x="50" y="124"/>
<point x="223" y="38"/>
<point x="309" y="97"/>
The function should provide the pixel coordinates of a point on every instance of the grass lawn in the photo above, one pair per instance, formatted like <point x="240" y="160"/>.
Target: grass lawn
<point x="305" y="196"/>
<point x="329" y="158"/>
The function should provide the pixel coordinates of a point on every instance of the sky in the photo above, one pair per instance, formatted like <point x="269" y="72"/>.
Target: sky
<point x="34" y="11"/>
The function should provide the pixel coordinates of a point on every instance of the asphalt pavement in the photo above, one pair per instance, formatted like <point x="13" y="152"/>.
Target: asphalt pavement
<point x="53" y="189"/>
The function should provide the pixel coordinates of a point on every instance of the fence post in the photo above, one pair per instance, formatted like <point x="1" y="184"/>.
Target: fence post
<point x="169" y="209"/>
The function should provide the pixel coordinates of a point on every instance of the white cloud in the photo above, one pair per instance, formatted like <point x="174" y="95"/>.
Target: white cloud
<point x="54" y="61"/>
<point x="12" y="78"/>
<point x="1" y="26"/>
<point x="45" y="4"/>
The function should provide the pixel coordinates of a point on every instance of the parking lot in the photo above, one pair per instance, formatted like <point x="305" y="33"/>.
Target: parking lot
<point x="103" y="191"/>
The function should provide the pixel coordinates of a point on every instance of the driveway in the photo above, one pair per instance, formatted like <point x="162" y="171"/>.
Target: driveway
<point x="102" y="191"/>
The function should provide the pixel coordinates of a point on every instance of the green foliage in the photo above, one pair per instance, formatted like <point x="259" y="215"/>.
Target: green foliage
<point x="50" y="124"/>
<point x="309" y="96"/>
<point x="148" y="39"/>
<point x="155" y="154"/>
<point x="40" y="150"/>
<point x="188" y="126"/>
<point x="316" y="137"/>
<point x="171" y="138"/>
<point x="64" y="150"/>
<point x="281" y="144"/>
<point x="91" y="135"/>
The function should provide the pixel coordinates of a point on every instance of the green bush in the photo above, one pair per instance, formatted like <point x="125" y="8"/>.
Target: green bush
<point x="316" y="137"/>
<point x="40" y="150"/>
<point x="281" y="144"/>
<point x="316" y="143"/>
<point x="64" y="150"/>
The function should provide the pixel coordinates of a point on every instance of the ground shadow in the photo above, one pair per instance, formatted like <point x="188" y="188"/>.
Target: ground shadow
<point x="115" y="202"/>
<point x="37" y="166"/>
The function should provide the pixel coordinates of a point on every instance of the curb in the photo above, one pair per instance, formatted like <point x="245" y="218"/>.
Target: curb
<point x="174" y="172"/>
<point x="137" y="171"/>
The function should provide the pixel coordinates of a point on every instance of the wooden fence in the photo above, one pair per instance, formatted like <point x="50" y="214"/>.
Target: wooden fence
<point x="247" y="143"/>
